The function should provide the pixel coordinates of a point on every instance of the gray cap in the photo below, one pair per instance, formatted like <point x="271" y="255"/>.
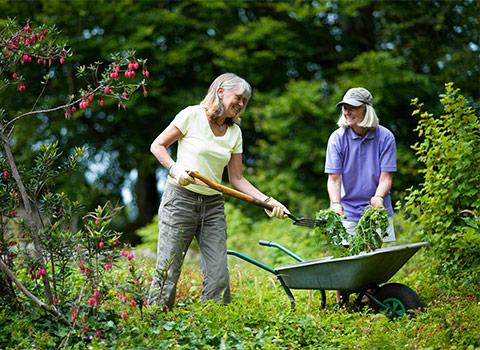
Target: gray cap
<point x="356" y="97"/>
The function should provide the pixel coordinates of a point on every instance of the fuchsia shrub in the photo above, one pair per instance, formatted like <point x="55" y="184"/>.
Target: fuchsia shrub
<point x="69" y="270"/>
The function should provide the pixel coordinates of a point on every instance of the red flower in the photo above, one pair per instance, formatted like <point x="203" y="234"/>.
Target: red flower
<point x="123" y="298"/>
<point x="82" y="266"/>
<point x="74" y="313"/>
<point x="108" y="265"/>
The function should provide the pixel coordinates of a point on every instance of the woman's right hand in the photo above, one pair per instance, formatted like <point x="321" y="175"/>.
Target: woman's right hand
<point x="337" y="208"/>
<point x="278" y="211"/>
<point x="179" y="174"/>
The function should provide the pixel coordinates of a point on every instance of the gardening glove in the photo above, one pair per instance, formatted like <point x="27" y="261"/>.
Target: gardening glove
<point x="376" y="202"/>
<point x="180" y="175"/>
<point x="279" y="210"/>
<point x="337" y="208"/>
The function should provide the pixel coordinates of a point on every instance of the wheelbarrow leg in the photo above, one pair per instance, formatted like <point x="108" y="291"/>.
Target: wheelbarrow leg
<point x="288" y="291"/>
<point x="266" y="268"/>
<point x="344" y="298"/>
<point x="323" y="301"/>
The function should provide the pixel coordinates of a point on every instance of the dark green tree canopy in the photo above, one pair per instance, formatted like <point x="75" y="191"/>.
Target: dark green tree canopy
<point x="300" y="57"/>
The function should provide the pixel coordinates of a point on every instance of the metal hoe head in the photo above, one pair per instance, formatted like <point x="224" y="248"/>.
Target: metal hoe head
<point x="312" y="223"/>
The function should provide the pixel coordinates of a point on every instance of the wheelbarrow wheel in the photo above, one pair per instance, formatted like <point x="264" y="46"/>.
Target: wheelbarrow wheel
<point x="397" y="298"/>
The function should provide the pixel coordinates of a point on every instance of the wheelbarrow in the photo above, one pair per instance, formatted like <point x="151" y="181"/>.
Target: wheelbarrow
<point x="359" y="274"/>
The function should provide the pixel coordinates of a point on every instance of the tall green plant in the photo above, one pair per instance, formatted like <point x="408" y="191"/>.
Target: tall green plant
<point x="446" y="206"/>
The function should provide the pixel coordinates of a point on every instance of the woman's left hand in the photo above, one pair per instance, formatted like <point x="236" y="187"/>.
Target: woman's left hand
<point x="278" y="211"/>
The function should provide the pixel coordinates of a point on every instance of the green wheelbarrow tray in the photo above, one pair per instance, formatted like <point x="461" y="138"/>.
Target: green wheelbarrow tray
<point x="360" y="274"/>
<point x="351" y="272"/>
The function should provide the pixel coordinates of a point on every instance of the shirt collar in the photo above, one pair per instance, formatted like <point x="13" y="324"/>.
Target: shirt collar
<point x="370" y="134"/>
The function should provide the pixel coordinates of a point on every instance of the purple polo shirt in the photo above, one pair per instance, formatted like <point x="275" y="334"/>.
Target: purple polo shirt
<point x="360" y="160"/>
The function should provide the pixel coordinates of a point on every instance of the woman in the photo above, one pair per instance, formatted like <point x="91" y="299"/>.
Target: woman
<point x="361" y="159"/>
<point x="209" y="139"/>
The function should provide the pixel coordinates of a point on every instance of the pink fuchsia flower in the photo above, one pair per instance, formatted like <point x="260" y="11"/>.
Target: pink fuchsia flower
<point x="123" y="298"/>
<point x="108" y="266"/>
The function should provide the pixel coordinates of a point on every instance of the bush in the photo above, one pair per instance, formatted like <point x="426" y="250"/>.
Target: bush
<point x="446" y="206"/>
<point x="51" y="258"/>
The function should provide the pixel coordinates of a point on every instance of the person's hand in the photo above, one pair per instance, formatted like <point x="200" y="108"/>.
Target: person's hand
<point x="179" y="174"/>
<point x="278" y="211"/>
<point x="337" y="208"/>
<point x="376" y="202"/>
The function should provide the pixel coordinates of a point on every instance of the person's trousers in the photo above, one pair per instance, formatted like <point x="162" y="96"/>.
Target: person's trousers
<point x="183" y="215"/>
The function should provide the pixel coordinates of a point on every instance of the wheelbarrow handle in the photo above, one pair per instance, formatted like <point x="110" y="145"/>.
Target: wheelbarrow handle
<point x="265" y="243"/>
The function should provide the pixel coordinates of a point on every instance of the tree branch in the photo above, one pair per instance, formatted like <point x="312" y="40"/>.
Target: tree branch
<point x="32" y="222"/>
<point x="49" y="308"/>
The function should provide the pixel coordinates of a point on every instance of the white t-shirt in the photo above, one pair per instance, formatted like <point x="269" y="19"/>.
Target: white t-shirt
<point x="199" y="149"/>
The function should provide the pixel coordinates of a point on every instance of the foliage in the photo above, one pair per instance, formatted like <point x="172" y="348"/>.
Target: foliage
<point x="332" y="228"/>
<point x="259" y="318"/>
<point x="446" y="205"/>
<point x="370" y="230"/>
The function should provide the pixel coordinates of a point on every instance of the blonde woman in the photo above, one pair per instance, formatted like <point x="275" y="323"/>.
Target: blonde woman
<point x="209" y="139"/>
<point x="361" y="159"/>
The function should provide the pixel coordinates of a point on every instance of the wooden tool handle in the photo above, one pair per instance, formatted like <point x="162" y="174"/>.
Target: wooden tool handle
<point x="229" y="191"/>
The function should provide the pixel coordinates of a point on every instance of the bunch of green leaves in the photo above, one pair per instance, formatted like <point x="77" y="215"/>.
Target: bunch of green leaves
<point x="370" y="230"/>
<point x="446" y="205"/>
<point x="333" y="229"/>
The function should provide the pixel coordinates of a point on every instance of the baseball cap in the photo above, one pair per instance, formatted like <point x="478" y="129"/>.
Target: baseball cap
<point x="356" y="97"/>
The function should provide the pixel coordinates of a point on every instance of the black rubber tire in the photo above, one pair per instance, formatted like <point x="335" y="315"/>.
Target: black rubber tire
<point x="398" y="297"/>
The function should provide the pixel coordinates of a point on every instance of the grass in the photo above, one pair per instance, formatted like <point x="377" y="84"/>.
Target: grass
<point x="259" y="317"/>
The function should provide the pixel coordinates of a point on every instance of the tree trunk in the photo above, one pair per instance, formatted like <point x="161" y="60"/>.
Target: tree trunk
<point x="147" y="200"/>
<point x="359" y="31"/>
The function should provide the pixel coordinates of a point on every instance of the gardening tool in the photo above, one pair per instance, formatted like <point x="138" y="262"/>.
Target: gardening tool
<point x="249" y="199"/>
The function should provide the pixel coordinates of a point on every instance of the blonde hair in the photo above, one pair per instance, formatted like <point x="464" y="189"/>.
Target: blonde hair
<point x="213" y="104"/>
<point x="370" y="119"/>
